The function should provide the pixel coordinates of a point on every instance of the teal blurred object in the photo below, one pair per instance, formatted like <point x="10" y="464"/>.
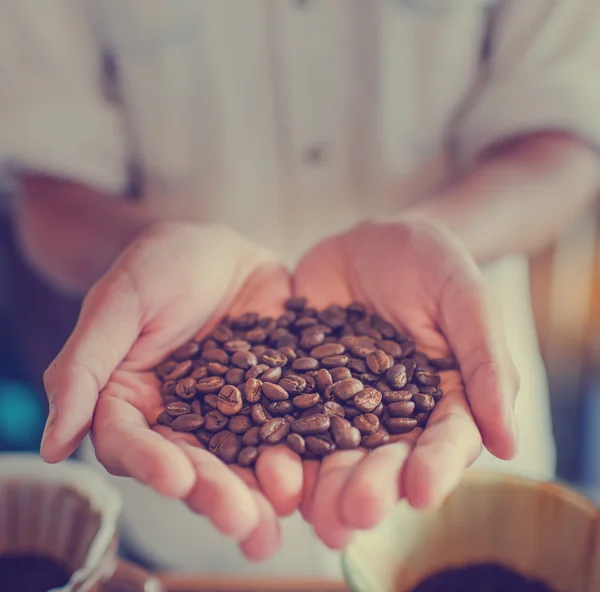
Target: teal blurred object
<point x="22" y="416"/>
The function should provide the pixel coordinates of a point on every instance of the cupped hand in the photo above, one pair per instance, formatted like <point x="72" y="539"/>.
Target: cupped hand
<point x="416" y="275"/>
<point x="173" y="281"/>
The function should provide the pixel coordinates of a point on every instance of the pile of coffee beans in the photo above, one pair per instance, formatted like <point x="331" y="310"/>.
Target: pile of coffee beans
<point x="480" y="578"/>
<point x="318" y="380"/>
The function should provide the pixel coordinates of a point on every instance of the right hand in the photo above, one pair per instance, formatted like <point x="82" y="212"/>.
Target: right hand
<point x="173" y="281"/>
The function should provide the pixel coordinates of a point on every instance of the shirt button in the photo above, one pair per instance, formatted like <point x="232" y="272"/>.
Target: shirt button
<point x="314" y="155"/>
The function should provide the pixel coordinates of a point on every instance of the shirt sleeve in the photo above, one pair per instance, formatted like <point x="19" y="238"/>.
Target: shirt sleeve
<point x="542" y="74"/>
<point x="54" y="117"/>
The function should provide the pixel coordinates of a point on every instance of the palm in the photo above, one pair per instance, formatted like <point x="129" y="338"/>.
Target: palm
<point x="415" y="276"/>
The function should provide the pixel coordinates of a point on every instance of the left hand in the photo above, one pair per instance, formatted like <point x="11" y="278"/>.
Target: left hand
<point x="417" y="275"/>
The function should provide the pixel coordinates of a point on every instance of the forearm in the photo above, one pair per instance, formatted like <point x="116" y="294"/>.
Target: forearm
<point x="72" y="233"/>
<point x="520" y="196"/>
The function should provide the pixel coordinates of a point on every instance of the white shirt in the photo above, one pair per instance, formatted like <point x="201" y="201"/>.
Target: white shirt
<point x="292" y="120"/>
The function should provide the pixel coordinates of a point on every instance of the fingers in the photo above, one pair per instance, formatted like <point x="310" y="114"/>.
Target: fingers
<point x="279" y="473"/>
<point x="373" y="489"/>
<point x="472" y="324"/>
<point x="309" y="484"/>
<point x="264" y="541"/>
<point x="126" y="446"/>
<point x="450" y="443"/>
<point x="334" y="476"/>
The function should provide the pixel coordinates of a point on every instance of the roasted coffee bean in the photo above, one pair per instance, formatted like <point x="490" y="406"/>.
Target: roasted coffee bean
<point x="327" y="350"/>
<point x="274" y="430"/>
<point x="256" y="371"/>
<point x="376" y="439"/>
<point x="186" y="352"/>
<point x="287" y="341"/>
<point x="252" y="390"/>
<point x="255" y="336"/>
<point x="273" y="357"/>
<point x="367" y="423"/>
<point x="305" y="363"/>
<point x="403" y="409"/>
<point x="209" y="344"/>
<point x="259" y="414"/>
<point x="245" y="322"/>
<point x="251" y="437"/>
<point x="226" y="446"/>
<point x="437" y="394"/>
<point x="271" y="375"/>
<point x="221" y="334"/>
<point x="332" y="409"/>
<point x="180" y="371"/>
<point x="396" y="397"/>
<point x="315" y="424"/>
<point x="323" y="379"/>
<point x="401" y="425"/>
<point x="422" y="418"/>
<point x="210" y="400"/>
<point x="274" y="392"/>
<point x="304" y="323"/>
<point x="295" y="304"/>
<point x="367" y="399"/>
<point x="276" y="334"/>
<point x="164" y="419"/>
<point x="293" y="384"/>
<point x="246" y="409"/>
<point x="306" y="401"/>
<point x="427" y="376"/>
<point x="369" y="378"/>
<point x="357" y="365"/>
<point x="217" y="369"/>
<point x="319" y="445"/>
<point x="382" y="386"/>
<point x="268" y="324"/>
<point x="236" y="345"/>
<point x="408" y="347"/>
<point x="215" y="421"/>
<point x="203" y="437"/>
<point x="420" y="358"/>
<point x="362" y="347"/>
<point x="210" y="385"/>
<point x="364" y="328"/>
<point x="296" y="443"/>
<point x="244" y="359"/>
<point x="258" y="351"/>
<point x="289" y="353"/>
<point x="390" y="347"/>
<point x="177" y="408"/>
<point x="196" y="407"/>
<point x="311" y="337"/>
<point x="216" y="355"/>
<point x="286" y="319"/>
<point x="168" y="388"/>
<point x="280" y="408"/>
<point x="423" y="402"/>
<point x="340" y="373"/>
<point x="190" y="422"/>
<point x="441" y="364"/>
<point x="348" y="388"/>
<point x="311" y="384"/>
<point x="378" y="362"/>
<point x="378" y="411"/>
<point x="235" y="376"/>
<point x="247" y="456"/>
<point x="239" y="424"/>
<point x="386" y="329"/>
<point x="356" y="311"/>
<point x="396" y="376"/>
<point x="230" y="400"/>
<point x="351" y="412"/>
<point x="334" y="361"/>
<point x="410" y="366"/>
<point x="344" y="434"/>
<point x="164" y="369"/>
<point x="186" y="388"/>
<point x="333" y="316"/>
<point x="199" y="372"/>
<point x="170" y="399"/>
<point x="317" y="409"/>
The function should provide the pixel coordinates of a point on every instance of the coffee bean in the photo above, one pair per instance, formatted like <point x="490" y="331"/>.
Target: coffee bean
<point x="271" y="375"/>
<point x="252" y="390"/>
<point x="239" y="424"/>
<point x="410" y="366"/>
<point x="289" y="353"/>
<point x="251" y="437"/>
<point x="245" y="322"/>
<point x="367" y="399"/>
<point x="268" y="324"/>
<point x="319" y="445"/>
<point x="258" y="350"/>
<point x="203" y="437"/>
<point x="396" y="376"/>
<point x="277" y="334"/>
<point x="256" y="371"/>
<point x="390" y="347"/>
<point x="311" y="383"/>
<point x="396" y="397"/>
<point x="403" y="409"/>
<point x="200" y="372"/>
<point x="423" y="402"/>
<point x="334" y="361"/>
<point x="186" y="388"/>
<point x="348" y="388"/>
<point x="344" y="434"/>
<point x="369" y="378"/>
<point x="230" y="400"/>
<point x="378" y="411"/>
<point x="244" y="359"/>
<point x="427" y="376"/>
<point x="170" y="399"/>
<point x="217" y="369"/>
<point x="295" y="304"/>
<point x="274" y="392"/>
<point x="333" y="316"/>
<point x="303" y="323"/>
<point x="221" y="334"/>
<point x="168" y="388"/>
<point x="209" y="344"/>
<point x="180" y="371"/>
<point x="186" y="352"/>
<point x="177" y="408"/>
<point x="357" y="365"/>
<point x="293" y="384"/>
<point x="408" y="347"/>
<point x="164" y="369"/>
<point x="420" y="358"/>
<point x="385" y="328"/>
<point x="448" y="363"/>
<point x="210" y="385"/>
<point x="367" y="423"/>
<point x="256" y="336"/>
<point x="363" y="328"/>
<point x="311" y="337"/>
<point x="210" y="401"/>
<point x="246" y="409"/>
<point x="274" y="430"/>
<point x="190" y="422"/>
<point x="376" y="439"/>
<point x="362" y="347"/>
<point x="378" y="362"/>
<point x="215" y="421"/>
<point x="273" y="357"/>
<point x="332" y="409"/>
<point x="286" y="319"/>
<point x="236" y="345"/>
<point x="296" y="443"/>
<point x="317" y="409"/>
<point x="327" y="350"/>
<point x="288" y="341"/>
<point x="323" y="379"/>
<point x="235" y="376"/>
<point x="305" y="363"/>
<point x="280" y="408"/>
<point x="259" y="414"/>
<point x="226" y="446"/>
<point x="356" y="311"/>
<point x="382" y="386"/>
<point x="216" y="355"/>
<point x="315" y="424"/>
<point x="247" y="456"/>
<point x="306" y="401"/>
<point x="164" y="419"/>
<point x="422" y="418"/>
<point x="401" y="425"/>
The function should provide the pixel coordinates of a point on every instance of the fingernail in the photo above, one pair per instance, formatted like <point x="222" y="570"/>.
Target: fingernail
<point x="52" y="416"/>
